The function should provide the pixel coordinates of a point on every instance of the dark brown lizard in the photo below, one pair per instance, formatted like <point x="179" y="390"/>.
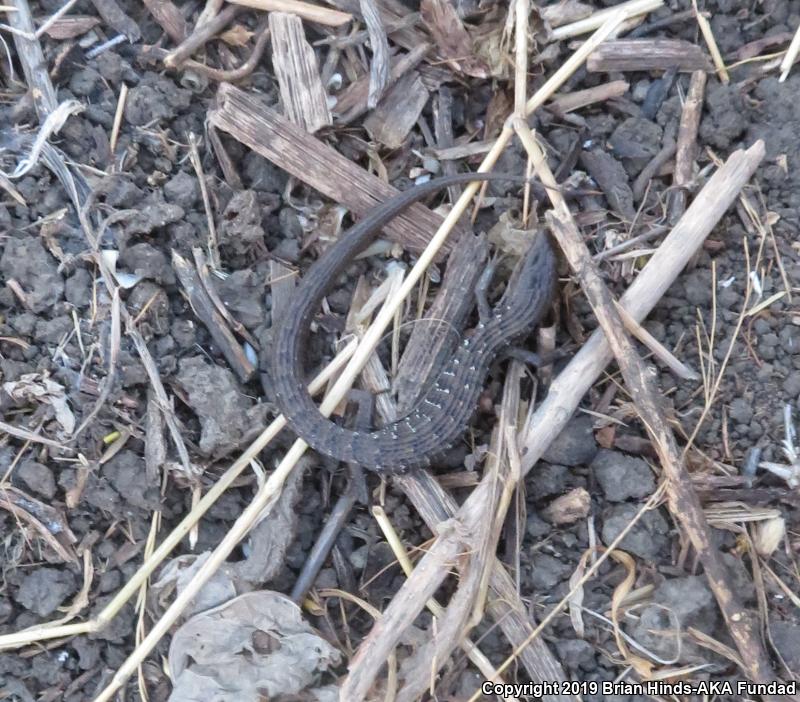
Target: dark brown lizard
<point x="444" y="410"/>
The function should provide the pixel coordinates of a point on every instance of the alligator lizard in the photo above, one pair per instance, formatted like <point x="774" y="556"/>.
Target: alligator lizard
<point x="444" y="410"/>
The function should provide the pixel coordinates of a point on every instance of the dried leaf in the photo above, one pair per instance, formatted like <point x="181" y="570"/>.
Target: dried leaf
<point x="568" y="508"/>
<point x="565" y="12"/>
<point x="272" y="536"/>
<point x="575" y="602"/>
<point x="501" y="104"/>
<point x="238" y="35"/>
<point x="491" y="49"/>
<point x="37" y="388"/>
<point x="452" y="39"/>
<point x="257" y="646"/>
<point x="508" y="238"/>
<point x="49" y="522"/>
<point x="642" y="666"/>
<point x="767" y="535"/>
<point x="605" y="436"/>
<point x="179" y="572"/>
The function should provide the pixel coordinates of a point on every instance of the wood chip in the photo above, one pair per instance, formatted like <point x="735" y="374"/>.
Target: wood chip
<point x="379" y="43"/>
<point x="317" y="164"/>
<point x="398" y="112"/>
<point x="303" y="96"/>
<point x="71" y="27"/>
<point x="169" y="17"/>
<point x="648" y="55"/>
<point x="452" y="39"/>
<point x="203" y="306"/>
<point x="562" y="104"/>
<point x="114" y="16"/>
<point x="352" y="102"/>
<point x="609" y="174"/>
<point x="566" y="11"/>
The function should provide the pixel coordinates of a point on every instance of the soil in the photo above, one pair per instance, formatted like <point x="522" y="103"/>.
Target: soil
<point x="60" y="331"/>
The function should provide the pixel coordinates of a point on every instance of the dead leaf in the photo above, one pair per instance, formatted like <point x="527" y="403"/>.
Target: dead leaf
<point x="491" y="49"/>
<point x="500" y="106"/>
<point x="642" y="666"/>
<point x="768" y="534"/>
<point x="575" y="602"/>
<point x="257" y="646"/>
<point x="508" y="238"/>
<point x="177" y="574"/>
<point x="37" y="388"/>
<point x="272" y="536"/>
<point x="605" y="436"/>
<point x="49" y="522"/>
<point x="238" y="35"/>
<point x="453" y="41"/>
<point x="564" y="12"/>
<point x="568" y="508"/>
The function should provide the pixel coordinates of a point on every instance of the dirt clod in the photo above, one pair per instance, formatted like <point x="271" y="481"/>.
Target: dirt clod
<point x="44" y="589"/>
<point x="575" y="445"/>
<point x="215" y="398"/>
<point x="645" y="539"/>
<point x="622" y="477"/>
<point x="37" y="478"/>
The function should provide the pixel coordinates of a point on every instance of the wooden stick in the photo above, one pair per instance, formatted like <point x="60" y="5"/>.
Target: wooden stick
<point x="521" y="10"/>
<point x="232" y="75"/>
<point x="666" y="152"/>
<point x="563" y="104"/>
<point x="200" y="35"/>
<point x="112" y="142"/>
<point x="304" y="10"/>
<point x="708" y="35"/>
<point x="648" y="55"/>
<point x="314" y="162"/>
<point x="302" y="94"/>
<point x="683" y="501"/>
<point x="34" y="65"/>
<point x="207" y="313"/>
<point x="169" y="17"/>
<point x="791" y="55"/>
<point x="658" y="349"/>
<point x="595" y="20"/>
<point x="212" y="244"/>
<point x="660" y="272"/>
<point x="687" y="144"/>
